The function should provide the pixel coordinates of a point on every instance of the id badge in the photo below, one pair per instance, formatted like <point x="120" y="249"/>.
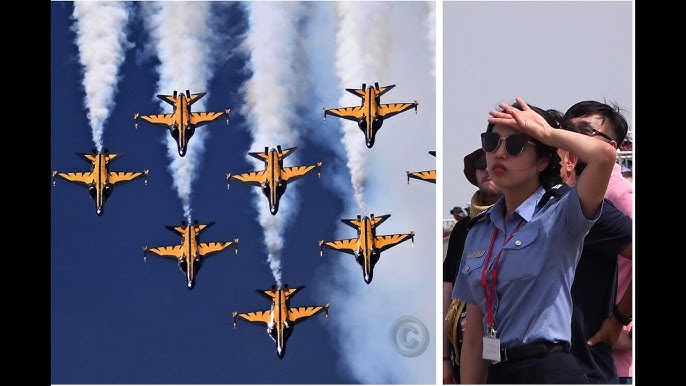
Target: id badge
<point x="491" y="350"/>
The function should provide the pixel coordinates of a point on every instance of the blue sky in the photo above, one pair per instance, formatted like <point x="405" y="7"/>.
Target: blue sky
<point x="116" y="319"/>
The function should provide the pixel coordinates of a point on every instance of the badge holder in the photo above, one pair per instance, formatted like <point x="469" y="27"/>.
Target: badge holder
<point x="491" y="346"/>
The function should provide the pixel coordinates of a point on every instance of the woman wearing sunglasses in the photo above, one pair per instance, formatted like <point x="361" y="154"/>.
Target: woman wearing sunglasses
<point x="520" y="255"/>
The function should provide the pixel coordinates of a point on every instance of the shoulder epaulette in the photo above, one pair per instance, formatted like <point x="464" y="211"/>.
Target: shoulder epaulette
<point x="556" y="191"/>
<point x="477" y="218"/>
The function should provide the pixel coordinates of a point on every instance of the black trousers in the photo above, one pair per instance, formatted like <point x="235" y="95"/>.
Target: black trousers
<point x="553" y="367"/>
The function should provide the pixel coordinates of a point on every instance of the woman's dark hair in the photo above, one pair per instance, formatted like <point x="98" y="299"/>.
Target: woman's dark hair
<point x="550" y="176"/>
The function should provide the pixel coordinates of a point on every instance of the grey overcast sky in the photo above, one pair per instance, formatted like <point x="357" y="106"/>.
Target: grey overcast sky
<point x="551" y="53"/>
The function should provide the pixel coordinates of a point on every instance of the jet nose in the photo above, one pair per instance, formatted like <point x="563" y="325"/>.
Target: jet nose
<point x="280" y="352"/>
<point x="182" y="152"/>
<point x="191" y="284"/>
<point x="368" y="278"/>
<point x="273" y="209"/>
<point x="98" y="211"/>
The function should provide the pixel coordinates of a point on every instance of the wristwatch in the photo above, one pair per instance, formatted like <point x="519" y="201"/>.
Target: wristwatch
<point x="621" y="318"/>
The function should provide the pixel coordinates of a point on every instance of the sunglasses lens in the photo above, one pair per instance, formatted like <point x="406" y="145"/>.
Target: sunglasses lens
<point x="489" y="141"/>
<point x="585" y="128"/>
<point x="480" y="163"/>
<point x="514" y="144"/>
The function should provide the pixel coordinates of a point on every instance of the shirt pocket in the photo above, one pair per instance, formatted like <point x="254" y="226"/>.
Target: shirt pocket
<point x="522" y="257"/>
<point x="473" y="264"/>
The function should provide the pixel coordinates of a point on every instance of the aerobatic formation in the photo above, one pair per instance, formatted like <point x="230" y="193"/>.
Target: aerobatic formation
<point x="190" y="254"/>
<point x="280" y="318"/>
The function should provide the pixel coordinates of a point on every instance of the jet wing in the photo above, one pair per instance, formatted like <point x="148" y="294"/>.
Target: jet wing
<point x="344" y="245"/>
<point x="208" y="249"/>
<point x="257" y="316"/>
<point x="298" y="314"/>
<point x="199" y="119"/>
<point x="294" y="172"/>
<point x="117" y="177"/>
<point x="388" y="110"/>
<point x="159" y="119"/>
<point x="254" y="178"/>
<point x="351" y="113"/>
<point x="388" y="241"/>
<point x="425" y="175"/>
<point x="173" y="252"/>
<point x="77" y="177"/>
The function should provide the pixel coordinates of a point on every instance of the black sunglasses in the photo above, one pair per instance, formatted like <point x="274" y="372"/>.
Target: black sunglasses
<point x="514" y="144"/>
<point x="587" y="129"/>
<point x="480" y="163"/>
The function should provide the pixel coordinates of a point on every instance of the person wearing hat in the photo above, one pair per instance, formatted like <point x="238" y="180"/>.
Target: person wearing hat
<point x="487" y="194"/>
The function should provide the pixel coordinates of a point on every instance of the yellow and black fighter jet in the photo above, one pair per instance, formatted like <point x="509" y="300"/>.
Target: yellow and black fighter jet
<point x="281" y="317"/>
<point x="367" y="246"/>
<point x="424" y="175"/>
<point x="274" y="178"/>
<point x="182" y="122"/>
<point x="371" y="113"/>
<point x="100" y="180"/>
<point x="190" y="254"/>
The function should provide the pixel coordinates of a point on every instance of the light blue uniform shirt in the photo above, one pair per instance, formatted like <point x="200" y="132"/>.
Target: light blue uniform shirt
<point x="536" y="269"/>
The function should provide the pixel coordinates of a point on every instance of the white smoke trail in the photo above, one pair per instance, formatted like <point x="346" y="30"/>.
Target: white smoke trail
<point x="101" y="38"/>
<point x="271" y="96"/>
<point x="387" y="42"/>
<point x="362" y="40"/>
<point x="181" y="33"/>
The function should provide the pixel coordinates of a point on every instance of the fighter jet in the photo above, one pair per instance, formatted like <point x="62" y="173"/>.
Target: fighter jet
<point x="190" y="254"/>
<point x="424" y="175"/>
<point x="367" y="247"/>
<point x="274" y="178"/>
<point x="100" y="180"/>
<point x="371" y="113"/>
<point x="281" y="318"/>
<point x="181" y="122"/>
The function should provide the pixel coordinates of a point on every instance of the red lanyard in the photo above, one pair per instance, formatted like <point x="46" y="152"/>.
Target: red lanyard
<point x="490" y="292"/>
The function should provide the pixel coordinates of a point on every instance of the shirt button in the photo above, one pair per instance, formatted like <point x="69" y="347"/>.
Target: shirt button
<point x="518" y="243"/>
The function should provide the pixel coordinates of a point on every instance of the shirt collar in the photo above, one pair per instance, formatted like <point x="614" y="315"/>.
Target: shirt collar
<point x="526" y="210"/>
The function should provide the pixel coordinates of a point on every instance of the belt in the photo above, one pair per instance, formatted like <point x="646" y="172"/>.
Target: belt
<point x="531" y="350"/>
